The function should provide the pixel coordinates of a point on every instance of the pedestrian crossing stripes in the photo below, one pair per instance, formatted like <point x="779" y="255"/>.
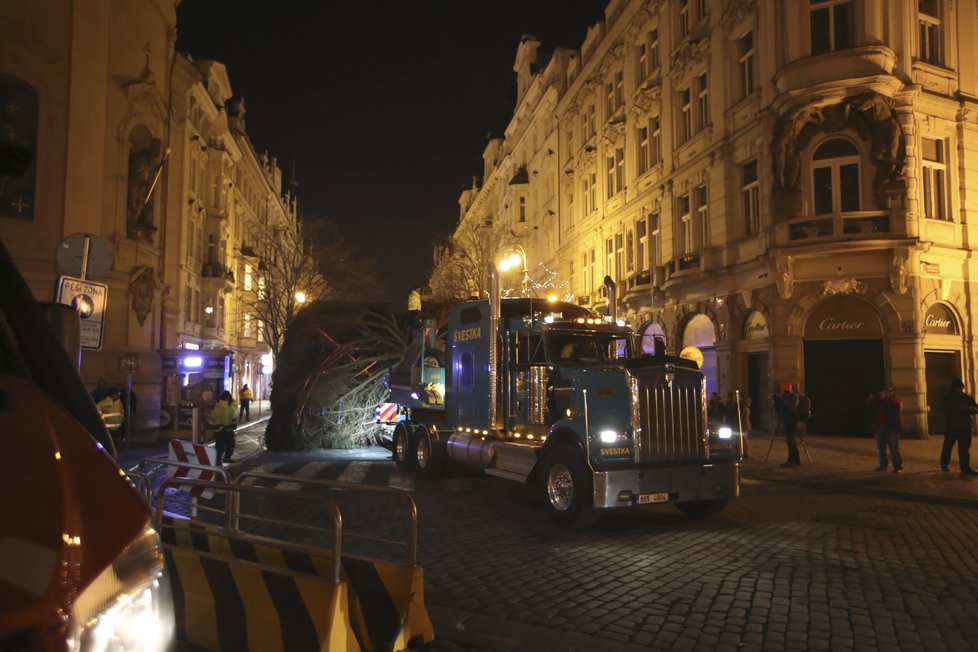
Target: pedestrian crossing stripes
<point x="310" y="470"/>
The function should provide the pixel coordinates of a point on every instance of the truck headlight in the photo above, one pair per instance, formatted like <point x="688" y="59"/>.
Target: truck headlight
<point x="128" y="606"/>
<point x="725" y="432"/>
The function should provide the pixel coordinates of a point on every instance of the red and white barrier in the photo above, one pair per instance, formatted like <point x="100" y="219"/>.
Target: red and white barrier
<point x="387" y="412"/>
<point x="185" y="451"/>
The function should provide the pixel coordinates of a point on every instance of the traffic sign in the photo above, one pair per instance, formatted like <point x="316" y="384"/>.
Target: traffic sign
<point x="89" y="300"/>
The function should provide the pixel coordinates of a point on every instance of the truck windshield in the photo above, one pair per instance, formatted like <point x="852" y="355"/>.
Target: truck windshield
<point x="586" y="347"/>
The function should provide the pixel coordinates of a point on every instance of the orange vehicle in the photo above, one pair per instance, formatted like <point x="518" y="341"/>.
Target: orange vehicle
<point x="81" y="568"/>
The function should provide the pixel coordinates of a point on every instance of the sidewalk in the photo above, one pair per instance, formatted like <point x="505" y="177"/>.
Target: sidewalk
<point x="849" y="463"/>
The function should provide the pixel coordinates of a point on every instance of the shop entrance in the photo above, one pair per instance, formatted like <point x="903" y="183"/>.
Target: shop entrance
<point x="843" y="365"/>
<point x="839" y="376"/>
<point x="759" y="390"/>
<point x="941" y="368"/>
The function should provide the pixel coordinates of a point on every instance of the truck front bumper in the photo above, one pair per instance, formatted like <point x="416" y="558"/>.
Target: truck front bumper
<point x="666" y="484"/>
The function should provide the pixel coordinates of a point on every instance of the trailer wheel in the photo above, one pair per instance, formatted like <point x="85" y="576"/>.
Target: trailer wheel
<point x="702" y="508"/>
<point x="402" y="447"/>
<point x="568" y="487"/>
<point x="425" y="458"/>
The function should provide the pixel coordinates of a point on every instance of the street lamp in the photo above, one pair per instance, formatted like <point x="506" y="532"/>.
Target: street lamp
<point x="517" y="257"/>
<point x="300" y="297"/>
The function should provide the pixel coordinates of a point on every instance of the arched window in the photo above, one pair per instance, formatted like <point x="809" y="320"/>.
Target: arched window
<point x="18" y="147"/>
<point x="835" y="177"/>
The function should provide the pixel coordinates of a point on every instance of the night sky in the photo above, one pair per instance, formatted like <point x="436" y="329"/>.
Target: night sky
<point x="385" y="106"/>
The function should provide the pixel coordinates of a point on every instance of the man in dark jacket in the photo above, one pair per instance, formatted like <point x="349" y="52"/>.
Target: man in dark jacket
<point x="885" y="410"/>
<point x="958" y="409"/>
<point x="786" y="404"/>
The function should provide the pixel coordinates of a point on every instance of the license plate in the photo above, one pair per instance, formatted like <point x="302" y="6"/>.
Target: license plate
<point x="645" y="499"/>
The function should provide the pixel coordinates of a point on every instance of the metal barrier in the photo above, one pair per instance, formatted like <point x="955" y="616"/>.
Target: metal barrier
<point x="163" y="462"/>
<point x="335" y="485"/>
<point x="142" y="483"/>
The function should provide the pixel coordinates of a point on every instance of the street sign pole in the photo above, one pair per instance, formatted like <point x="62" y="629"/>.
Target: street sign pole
<point x="84" y="261"/>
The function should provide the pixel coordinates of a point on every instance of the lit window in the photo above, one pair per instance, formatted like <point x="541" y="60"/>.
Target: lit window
<point x="750" y="198"/>
<point x="831" y="25"/>
<point x="835" y="177"/>
<point x="934" y="175"/>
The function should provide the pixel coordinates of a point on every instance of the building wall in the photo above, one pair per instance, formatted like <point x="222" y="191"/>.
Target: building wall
<point x="114" y="105"/>
<point x="746" y="227"/>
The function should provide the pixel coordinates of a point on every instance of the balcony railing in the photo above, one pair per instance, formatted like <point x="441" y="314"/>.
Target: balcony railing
<point x="847" y="225"/>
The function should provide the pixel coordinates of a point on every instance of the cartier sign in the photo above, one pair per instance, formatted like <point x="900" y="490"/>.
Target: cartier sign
<point x="843" y="318"/>
<point x="755" y="327"/>
<point x="938" y="320"/>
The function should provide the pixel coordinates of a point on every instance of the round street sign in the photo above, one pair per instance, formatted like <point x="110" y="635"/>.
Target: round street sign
<point x="71" y="249"/>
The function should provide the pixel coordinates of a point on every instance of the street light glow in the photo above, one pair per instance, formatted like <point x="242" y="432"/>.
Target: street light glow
<point x="300" y="296"/>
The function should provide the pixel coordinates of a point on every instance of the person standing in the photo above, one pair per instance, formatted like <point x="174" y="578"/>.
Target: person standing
<point x="885" y="409"/>
<point x="958" y="409"/>
<point x="246" y="397"/>
<point x="110" y="407"/>
<point x="223" y="419"/>
<point x="786" y="404"/>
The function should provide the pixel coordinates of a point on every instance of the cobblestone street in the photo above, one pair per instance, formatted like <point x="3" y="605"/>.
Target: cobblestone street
<point x="817" y="561"/>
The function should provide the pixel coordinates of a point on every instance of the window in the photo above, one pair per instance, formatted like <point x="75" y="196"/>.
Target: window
<point x="702" y="216"/>
<point x="466" y="368"/>
<point x="188" y="305"/>
<point x="642" y="138"/>
<point x="831" y="25"/>
<point x="619" y="255"/>
<point x="630" y="251"/>
<point x="589" y="192"/>
<point x="18" y="148"/>
<point x="750" y="198"/>
<point x="641" y="229"/>
<point x="685" y="225"/>
<point x="589" y="122"/>
<point x="702" y="102"/>
<point x="654" y="240"/>
<point x="929" y="20"/>
<point x="247" y="277"/>
<point x="609" y="254"/>
<point x="653" y="50"/>
<point x="683" y="18"/>
<point x="745" y="62"/>
<point x="616" y="172"/>
<point x="246" y="328"/>
<point x="835" y="177"/>
<point x="655" y="133"/>
<point x="935" y="179"/>
<point x="589" y="258"/>
<point x="522" y="209"/>
<point x="686" y="114"/>
<point x="642" y="66"/>
<point x="615" y="94"/>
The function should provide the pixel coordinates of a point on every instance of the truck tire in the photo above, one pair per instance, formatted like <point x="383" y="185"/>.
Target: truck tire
<point x="425" y="455"/>
<point x="568" y="488"/>
<point x="702" y="508"/>
<point x="403" y="447"/>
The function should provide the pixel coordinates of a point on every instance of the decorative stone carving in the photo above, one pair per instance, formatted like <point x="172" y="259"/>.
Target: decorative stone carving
<point x="646" y="97"/>
<point x="737" y="12"/>
<point x="143" y="164"/>
<point x="143" y="285"/>
<point x="843" y="286"/>
<point x="786" y="276"/>
<point x="899" y="272"/>
<point x="613" y="134"/>
<point x="688" y="55"/>
<point x="871" y="116"/>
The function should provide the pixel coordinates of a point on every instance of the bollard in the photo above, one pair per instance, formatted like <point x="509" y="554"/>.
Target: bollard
<point x="195" y="434"/>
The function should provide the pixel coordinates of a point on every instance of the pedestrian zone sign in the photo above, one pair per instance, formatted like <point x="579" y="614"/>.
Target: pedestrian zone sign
<point x="88" y="299"/>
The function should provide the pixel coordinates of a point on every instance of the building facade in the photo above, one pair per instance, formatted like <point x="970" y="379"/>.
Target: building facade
<point x="108" y="131"/>
<point x="788" y="187"/>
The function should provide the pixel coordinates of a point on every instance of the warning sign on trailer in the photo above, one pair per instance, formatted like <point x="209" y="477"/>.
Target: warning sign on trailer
<point x="88" y="299"/>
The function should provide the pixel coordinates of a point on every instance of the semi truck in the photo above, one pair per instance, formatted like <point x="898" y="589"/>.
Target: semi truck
<point x="545" y="392"/>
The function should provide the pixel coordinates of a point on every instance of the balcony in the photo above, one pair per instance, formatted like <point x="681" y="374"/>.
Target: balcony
<point x="687" y="263"/>
<point x="873" y="63"/>
<point x="864" y="225"/>
<point x="216" y="277"/>
<point x="213" y="333"/>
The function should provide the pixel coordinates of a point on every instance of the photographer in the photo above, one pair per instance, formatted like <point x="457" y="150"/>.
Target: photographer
<point x="958" y="409"/>
<point x="786" y="406"/>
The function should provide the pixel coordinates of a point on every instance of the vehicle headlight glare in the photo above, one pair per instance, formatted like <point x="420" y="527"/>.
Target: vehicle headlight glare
<point x="608" y="436"/>
<point x="725" y="433"/>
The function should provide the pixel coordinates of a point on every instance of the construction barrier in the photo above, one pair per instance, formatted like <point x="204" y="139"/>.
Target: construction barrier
<point x="235" y="591"/>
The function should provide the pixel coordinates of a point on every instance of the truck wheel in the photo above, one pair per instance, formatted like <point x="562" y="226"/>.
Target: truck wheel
<point x="402" y="447"/>
<point x="702" y="508"/>
<point x="425" y="458"/>
<point x="568" y="487"/>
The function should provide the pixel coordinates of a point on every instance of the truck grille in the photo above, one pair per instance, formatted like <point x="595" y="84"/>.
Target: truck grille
<point x="669" y="415"/>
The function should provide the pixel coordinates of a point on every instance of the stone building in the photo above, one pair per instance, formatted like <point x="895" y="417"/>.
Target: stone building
<point x="787" y="186"/>
<point x="106" y="130"/>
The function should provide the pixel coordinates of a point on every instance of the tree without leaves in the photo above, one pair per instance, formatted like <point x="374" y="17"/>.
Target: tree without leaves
<point x="461" y="265"/>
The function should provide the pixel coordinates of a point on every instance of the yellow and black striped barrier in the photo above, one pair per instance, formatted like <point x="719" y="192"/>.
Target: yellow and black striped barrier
<point x="287" y="598"/>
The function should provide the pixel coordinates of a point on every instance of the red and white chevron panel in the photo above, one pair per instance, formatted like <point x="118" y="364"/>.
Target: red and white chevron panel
<point x="387" y="412"/>
<point x="185" y="451"/>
